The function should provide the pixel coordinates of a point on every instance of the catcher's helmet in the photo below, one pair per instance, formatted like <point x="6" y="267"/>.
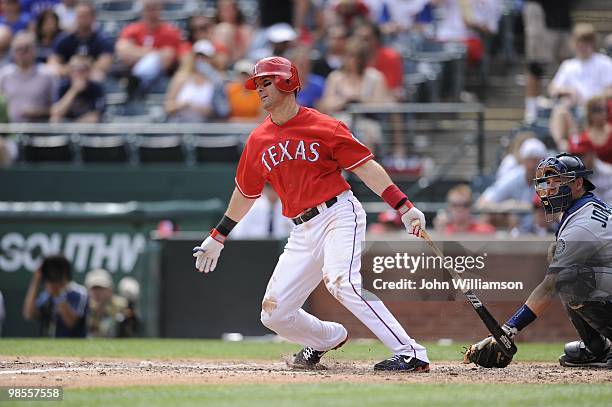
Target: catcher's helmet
<point x="552" y="177"/>
<point x="285" y="74"/>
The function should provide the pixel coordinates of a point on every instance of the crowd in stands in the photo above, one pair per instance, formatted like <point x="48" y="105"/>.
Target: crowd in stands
<point x="64" y="308"/>
<point x="59" y="61"/>
<point x="348" y="51"/>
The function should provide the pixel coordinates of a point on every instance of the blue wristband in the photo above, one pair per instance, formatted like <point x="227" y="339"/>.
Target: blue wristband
<point x="522" y="317"/>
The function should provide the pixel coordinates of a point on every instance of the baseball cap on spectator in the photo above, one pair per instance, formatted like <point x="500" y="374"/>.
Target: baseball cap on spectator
<point x="129" y="288"/>
<point x="98" y="278"/>
<point x="532" y="148"/>
<point x="579" y="144"/>
<point x="281" y="32"/>
<point x="244" y="66"/>
<point x="204" y="47"/>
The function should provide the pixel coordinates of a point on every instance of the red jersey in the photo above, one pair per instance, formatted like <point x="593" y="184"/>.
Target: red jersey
<point x="164" y="35"/>
<point x="301" y="159"/>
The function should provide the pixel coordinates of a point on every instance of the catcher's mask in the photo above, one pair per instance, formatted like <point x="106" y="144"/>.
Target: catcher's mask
<point x="552" y="178"/>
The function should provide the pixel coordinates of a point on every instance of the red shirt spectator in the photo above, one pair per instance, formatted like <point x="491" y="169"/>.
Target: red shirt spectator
<point x="389" y="62"/>
<point x="386" y="60"/>
<point x="162" y="36"/>
<point x="597" y="136"/>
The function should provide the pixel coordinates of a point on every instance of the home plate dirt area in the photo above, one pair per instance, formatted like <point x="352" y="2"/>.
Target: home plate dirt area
<point x="109" y="372"/>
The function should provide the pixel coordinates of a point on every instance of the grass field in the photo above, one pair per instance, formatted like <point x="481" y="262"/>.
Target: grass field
<point x="476" y="388"/>
<point x="215" y="349"/>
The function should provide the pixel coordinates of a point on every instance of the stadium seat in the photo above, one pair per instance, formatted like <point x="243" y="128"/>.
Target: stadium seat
<point x="46" y="148"/>
<point x="160" y="148"/>
<point x="104" y="148"/>
<point x="216" y="148"/>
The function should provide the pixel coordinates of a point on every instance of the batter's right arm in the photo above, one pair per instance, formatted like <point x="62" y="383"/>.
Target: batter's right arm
<point x="209" y="251"/>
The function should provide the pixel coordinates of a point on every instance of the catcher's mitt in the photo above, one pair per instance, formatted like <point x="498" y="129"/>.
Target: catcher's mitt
<point x="486" y="353"/>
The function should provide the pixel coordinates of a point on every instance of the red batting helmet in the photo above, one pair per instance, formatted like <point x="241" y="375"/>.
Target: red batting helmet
<point x="285" y="74"/>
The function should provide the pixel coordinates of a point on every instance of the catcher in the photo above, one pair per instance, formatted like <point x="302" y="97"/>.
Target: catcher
<point x="580" y="268"/>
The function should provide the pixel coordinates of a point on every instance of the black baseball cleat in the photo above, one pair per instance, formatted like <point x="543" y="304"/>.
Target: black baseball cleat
<point x="309" y="358"/>
<point x="403" y="363"/>
<point x="576" y="354"/>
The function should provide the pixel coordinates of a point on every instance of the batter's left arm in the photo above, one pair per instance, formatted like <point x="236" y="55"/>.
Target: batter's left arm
<point x="377" y="179"/>
<point x="374" y="176"/>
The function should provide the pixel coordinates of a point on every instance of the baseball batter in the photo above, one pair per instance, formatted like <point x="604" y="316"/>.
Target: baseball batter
<point x="301" y="153"/>
<point x="580" y="268"/>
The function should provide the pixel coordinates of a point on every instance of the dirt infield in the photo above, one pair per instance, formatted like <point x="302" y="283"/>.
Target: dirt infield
<point x="81" y="372"/>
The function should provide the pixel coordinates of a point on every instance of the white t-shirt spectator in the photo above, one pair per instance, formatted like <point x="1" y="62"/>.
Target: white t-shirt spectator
<point x="513" y="186"/>
<point x="589" y="77"/>
<point x="451" y="26"/>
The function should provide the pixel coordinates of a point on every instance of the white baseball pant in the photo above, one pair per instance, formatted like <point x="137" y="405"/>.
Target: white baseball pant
<point x="328" y="248"/>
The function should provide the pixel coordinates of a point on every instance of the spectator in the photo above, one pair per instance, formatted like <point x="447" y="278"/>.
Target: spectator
<point x="199" y="27"/>
<point x="47" y="31"/>
<point x="66" y="11"/>
<point x="547" y="38"/>
<point x="399" y="18"/>
<point x="313" y="85"/>
<point x="598" y="133"/>
<point x="13" y="17"/>
<point x="458" y="216"/>
<point x="130" y="290"/>
<point x="193" y="89"/>
<point x="577" y="80"/>
<point x="245" y="104"/>
<point x="265" y="220"/>
<point x="6" y="36"/>
<point x="540" y="226"/>
<point x="386" y="60"/>
<point x="512" y="160"/>
<point x="355" y="82"/>
<point x="85" y="40"/>
<point x="387" y="221"/>
<point x="335" y="44"/>
<point x="107" y="311"/>
<point x="28" y="88"/>
<point x="602" y="171"/>
<point x="149" y="47"/>
<point x="62" y="305"/>
<point x="36" y="7"/>
<point x="281" y="38"/>
<point x="349" y="13"/>
<point x="2" y="312"/>
<point x="231" y="31"/>
<point x="514" y="191"/>
<point x="79" y="98"/>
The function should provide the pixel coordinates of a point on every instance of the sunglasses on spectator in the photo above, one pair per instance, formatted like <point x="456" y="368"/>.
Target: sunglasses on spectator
<point x="459" y="204"/>
<point x="598" y="109"/>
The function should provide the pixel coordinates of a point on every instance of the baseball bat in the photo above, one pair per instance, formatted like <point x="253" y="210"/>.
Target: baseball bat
<point x="506" y="344"/>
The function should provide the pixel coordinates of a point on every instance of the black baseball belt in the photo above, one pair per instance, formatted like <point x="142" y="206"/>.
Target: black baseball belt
<point x="312" y="212"/>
